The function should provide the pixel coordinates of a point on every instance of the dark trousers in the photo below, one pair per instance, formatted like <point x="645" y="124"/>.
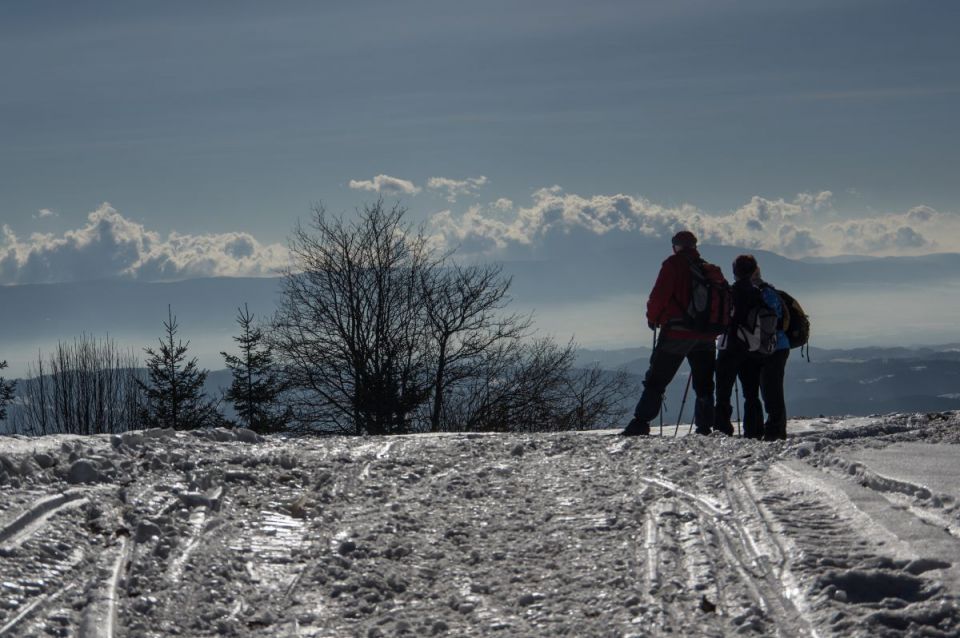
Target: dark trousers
<point x="771" y="388"/>
<point x="732" y="365"/>
<point x="666" y="359"/>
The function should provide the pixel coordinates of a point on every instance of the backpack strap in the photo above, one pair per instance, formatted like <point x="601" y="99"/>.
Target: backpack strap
<point x="691" y="262"/>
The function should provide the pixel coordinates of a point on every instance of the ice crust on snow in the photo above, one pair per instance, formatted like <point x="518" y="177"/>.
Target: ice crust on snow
<point x="225" y="532"/>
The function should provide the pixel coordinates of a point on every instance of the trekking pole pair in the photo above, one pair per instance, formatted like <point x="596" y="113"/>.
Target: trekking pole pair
<point x="736" y="387"/>
<point x="686" y="391"/>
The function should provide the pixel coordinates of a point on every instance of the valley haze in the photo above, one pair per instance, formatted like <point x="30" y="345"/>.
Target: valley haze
<point x="597" y="297"/>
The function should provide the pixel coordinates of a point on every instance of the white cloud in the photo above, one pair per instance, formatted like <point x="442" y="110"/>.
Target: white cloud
<point x="503" y="204"/>
<point x="885" y="236"/>
<point x="807" y="225"/>
<point x="385" y="184"/>
<point x="455" y="188"/>
<point x="45" y="212"/>
<point x="110" y="246"/>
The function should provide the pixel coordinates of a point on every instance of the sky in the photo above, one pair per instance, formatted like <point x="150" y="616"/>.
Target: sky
<point x="179" y="139"/>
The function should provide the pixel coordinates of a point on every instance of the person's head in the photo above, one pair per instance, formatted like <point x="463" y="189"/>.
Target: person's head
<point x="745" y="267"/>
<point x="684" y="239"/>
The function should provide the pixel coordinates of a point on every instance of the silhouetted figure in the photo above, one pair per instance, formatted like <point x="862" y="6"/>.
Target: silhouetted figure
<point x="669" y="307"/>
<point x="754" y="349"/>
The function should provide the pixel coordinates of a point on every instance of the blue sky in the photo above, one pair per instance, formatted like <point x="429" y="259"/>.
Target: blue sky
<point x="224" y="121"/>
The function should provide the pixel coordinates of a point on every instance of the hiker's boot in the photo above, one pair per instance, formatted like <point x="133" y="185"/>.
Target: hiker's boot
<point x="752" y="432"/>
<point x="774" y="431"/>
<point x="723" y="426"/>
<point x="636" y="427"/>
<point x="721" y="419"/>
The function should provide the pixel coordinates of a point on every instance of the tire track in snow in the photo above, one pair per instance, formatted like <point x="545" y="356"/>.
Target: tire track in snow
<point x="100" y="617"/>
<point x="744" y="557"/>
<point x="27" y="611"/>
<point x="342" y="479"/>
<point x="860" y="550"/>
<point x="198" y="520"/>
<point x="37" y="558"/>
<point x="651" y="545"/>
<point x="765" y="541"/>
<point x="30" y="521"/>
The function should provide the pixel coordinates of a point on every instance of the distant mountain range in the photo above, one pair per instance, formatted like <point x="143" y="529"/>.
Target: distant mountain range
<point x="859" y="381"/>
<point x="853" y="301"/>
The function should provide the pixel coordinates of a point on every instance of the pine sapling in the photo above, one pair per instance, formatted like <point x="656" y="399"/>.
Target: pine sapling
<point x="174" y="392"/>
<point x="256" y="382"/>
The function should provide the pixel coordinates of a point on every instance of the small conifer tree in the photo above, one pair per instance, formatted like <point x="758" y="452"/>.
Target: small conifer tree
<point x="256" y="381"/>
<point x="6" y="392"/>
<point x="174" y="393"/>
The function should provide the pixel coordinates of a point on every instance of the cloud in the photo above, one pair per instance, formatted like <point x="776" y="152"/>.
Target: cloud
<point x="385" y="184"/>
<point x="112" y="246"/>
<point x="455" y="188"/>
<point x="807" y="225"/>
<point x="503" y="204"/>
<point x="45" y="212"/>
<point x="879" y="236"/>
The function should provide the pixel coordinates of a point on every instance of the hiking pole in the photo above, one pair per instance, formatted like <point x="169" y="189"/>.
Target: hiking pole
<point x="661" y="396"/>
<point x="736" y="388"/>
<point x="661" y="414"/>
<point x="683" y="403"/>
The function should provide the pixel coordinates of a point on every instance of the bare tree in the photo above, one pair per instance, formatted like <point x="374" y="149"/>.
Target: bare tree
<point x="534" y="387"/>
<point x="377" y="334"/>
<point x="7" y="389"/>
<point x="89" y="386"/>
<point x="514" y="389"/>
<point x="466" y="322"/>
<point x="349" y="329"/>
<point x="594" y="398"/>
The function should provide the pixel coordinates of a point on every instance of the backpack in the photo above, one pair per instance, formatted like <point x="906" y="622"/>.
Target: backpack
<point x="758" y="331"/>
<point x="796" y="323"/>
<point x="710" y="299"/>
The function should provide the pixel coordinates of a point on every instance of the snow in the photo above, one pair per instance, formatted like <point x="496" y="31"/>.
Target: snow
<point x="851" y="527"/>
<point x="936" y="467"/>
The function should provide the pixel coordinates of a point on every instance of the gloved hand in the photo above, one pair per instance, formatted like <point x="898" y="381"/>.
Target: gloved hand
<point x="651" y="325"/>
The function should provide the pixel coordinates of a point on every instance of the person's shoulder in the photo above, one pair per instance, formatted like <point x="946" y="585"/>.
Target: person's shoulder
<point x="671" y="261"/>
<point x="682" y="258"/>
<point x="768" y="289"/>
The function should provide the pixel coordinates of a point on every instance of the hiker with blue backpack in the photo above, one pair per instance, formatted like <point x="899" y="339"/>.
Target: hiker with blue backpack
<point x="690" y="304"/>
<point x="754" y="349"/>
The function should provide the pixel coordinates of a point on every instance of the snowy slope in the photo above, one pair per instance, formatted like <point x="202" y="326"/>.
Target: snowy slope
<point x="849" y="528"/>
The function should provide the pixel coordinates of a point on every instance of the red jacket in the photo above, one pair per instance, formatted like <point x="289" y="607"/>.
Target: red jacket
<point x="671" y="295"/>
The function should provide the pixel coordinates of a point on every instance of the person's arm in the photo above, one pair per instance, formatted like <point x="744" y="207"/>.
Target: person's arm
<point x="661" y="293"/>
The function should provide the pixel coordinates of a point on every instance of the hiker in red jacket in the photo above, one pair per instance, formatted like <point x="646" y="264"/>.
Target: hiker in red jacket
<point x="666" y="309"/>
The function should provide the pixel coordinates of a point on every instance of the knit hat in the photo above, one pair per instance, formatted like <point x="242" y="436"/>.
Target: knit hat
<point x="685" y="239"/>
<point x="744" y="266"/>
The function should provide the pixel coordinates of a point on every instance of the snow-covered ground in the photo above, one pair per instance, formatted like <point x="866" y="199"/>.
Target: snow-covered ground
<point x="848" y="528"/>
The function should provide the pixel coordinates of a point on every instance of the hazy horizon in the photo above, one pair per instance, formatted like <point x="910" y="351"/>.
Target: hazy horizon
<point x="176" y="141"/>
